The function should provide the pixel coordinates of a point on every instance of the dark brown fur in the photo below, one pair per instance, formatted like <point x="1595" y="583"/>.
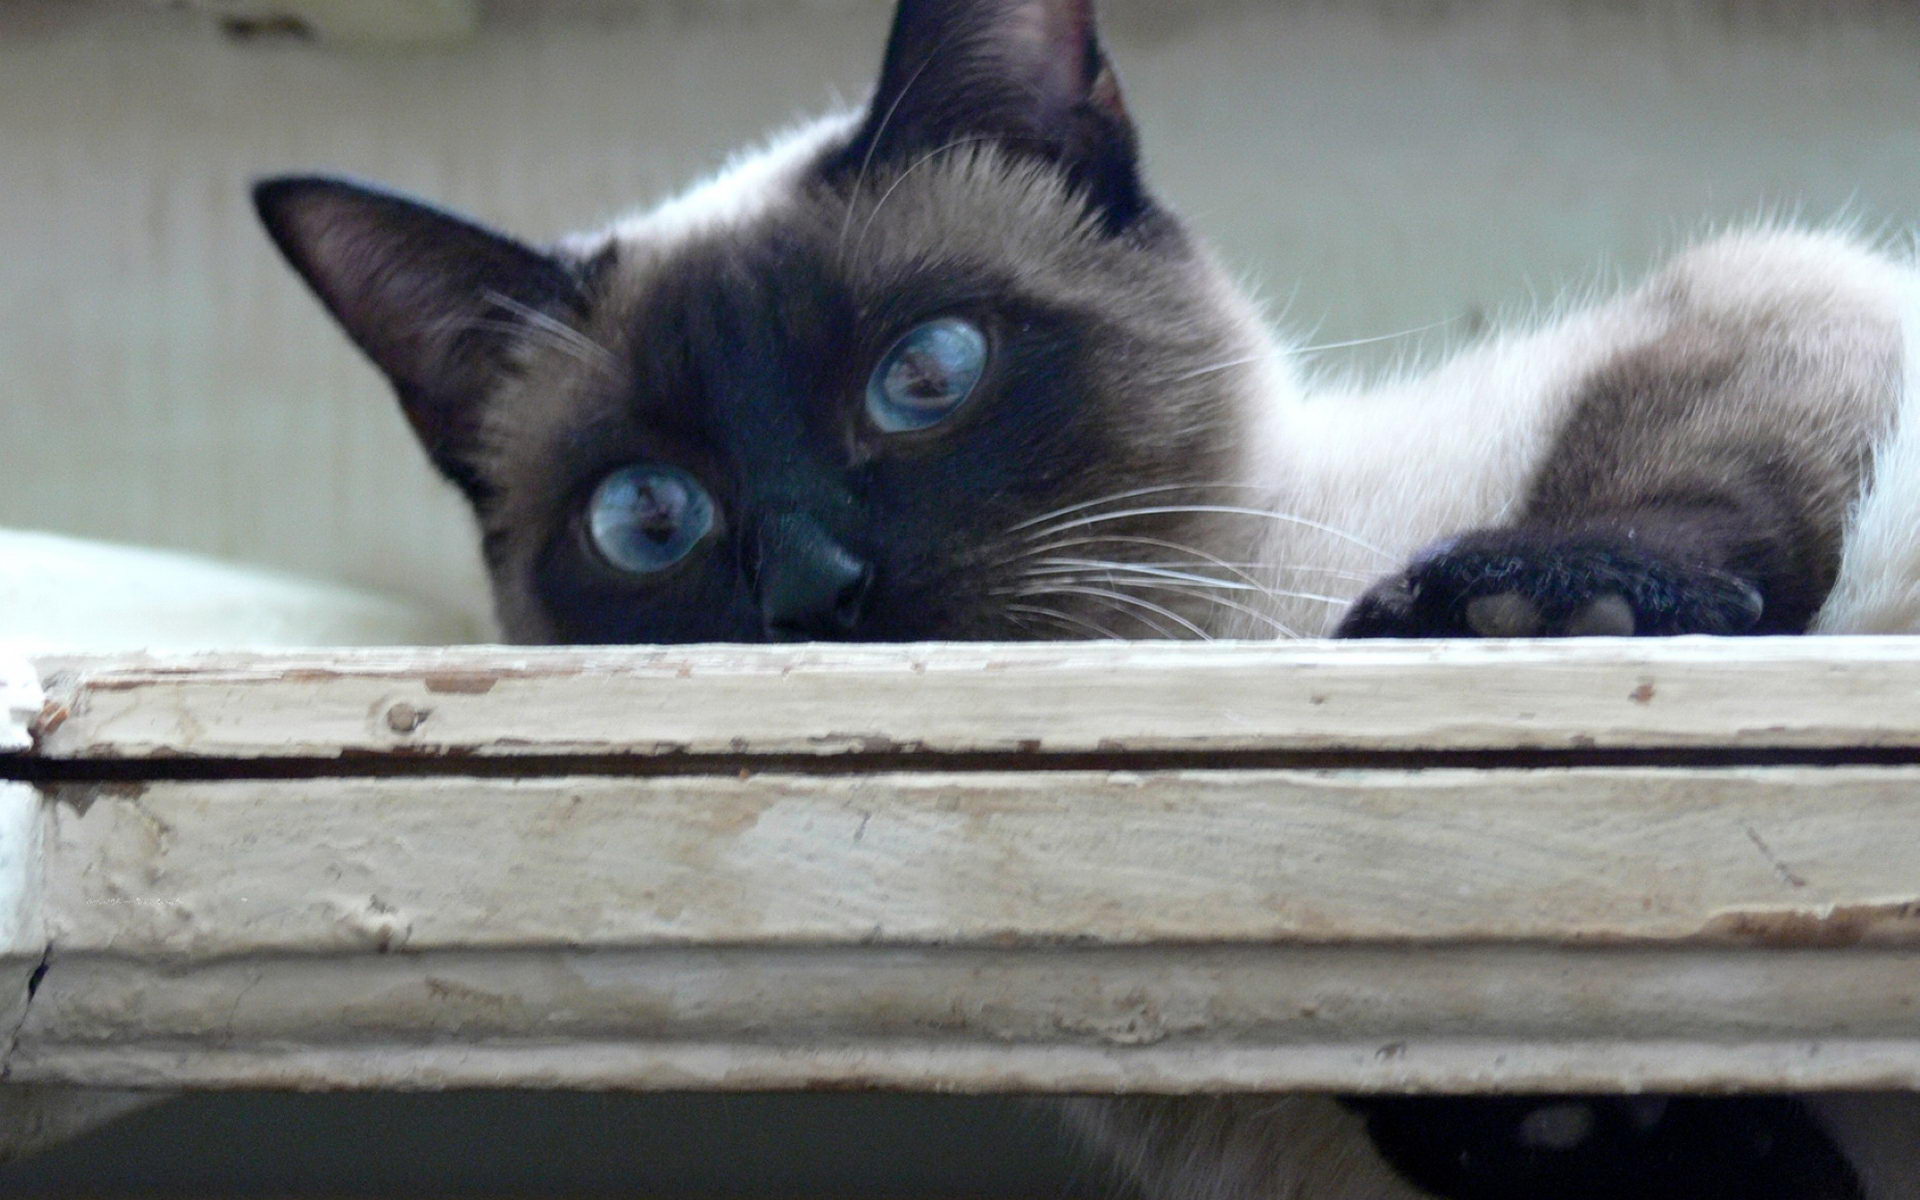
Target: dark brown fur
<point x="697" y="370"/>
<point x="1715" y="447"/>
<point x="1701" y="481"/>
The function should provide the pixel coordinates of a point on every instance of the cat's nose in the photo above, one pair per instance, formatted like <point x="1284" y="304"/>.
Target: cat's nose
<point x="810" y="586"/>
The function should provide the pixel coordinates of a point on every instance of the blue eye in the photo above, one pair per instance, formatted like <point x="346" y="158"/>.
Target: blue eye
<point x="646" y="518"/>
<point x="927" y="375"/>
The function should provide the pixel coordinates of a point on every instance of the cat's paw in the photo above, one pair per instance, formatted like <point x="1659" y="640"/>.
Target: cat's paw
<point x="1697" y="1147"/>
<point x="1520" y="583"/>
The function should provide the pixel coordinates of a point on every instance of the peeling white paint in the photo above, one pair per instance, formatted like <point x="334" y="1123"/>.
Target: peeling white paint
<point x="1568" y="695"/>
<point x="20" y="701"/>
<point x="970" y="920"/>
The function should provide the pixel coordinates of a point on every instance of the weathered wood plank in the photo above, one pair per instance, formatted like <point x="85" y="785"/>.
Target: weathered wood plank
<point x="26" y="1118"/>
<point x="20" y="702"/>
<point x="22" y="927"/>
<point x="1795" y="693"/>
<point x="1068" y="931"/>
<point x="1154" y="1019"/>
<point x="1779" y="857"/>
<point x="935" y="922"/>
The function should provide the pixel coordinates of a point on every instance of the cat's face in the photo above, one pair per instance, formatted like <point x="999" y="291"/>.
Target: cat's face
<point x="898" y="378"/>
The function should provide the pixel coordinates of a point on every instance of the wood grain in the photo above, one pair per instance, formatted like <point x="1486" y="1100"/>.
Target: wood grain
<point x="1786" y="857"/>
<point x="23" y="938"/>
<point x="846" y="867"/>
<point x="1060" y="931"/>
<point x="1162" y="1019"/>
<point x="745" y="701"/>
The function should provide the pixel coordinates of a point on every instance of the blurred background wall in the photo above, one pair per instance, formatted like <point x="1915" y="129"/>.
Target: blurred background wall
<point x="1374" y="166"/>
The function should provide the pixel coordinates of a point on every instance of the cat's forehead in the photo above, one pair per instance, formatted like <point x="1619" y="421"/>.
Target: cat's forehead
<point x="753" y="183"/>
<point x="812" y="194"/>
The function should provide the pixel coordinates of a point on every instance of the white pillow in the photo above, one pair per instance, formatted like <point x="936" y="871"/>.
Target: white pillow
<point x="61" y="594"/>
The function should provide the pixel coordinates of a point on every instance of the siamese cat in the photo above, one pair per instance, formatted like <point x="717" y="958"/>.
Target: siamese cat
<point x="942" y="367"/>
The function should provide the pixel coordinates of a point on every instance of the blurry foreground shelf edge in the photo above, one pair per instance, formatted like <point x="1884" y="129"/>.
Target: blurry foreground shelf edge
<point x="66" y="593"/>
<point x="1470" y="867"/>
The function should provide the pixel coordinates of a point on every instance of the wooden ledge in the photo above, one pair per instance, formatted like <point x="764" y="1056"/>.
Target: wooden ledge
<point x="1683" y="865"/>
<point x="1758" y="696"/>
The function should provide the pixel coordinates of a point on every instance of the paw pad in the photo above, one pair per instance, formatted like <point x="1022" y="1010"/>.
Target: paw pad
<point x="1607" y="616"/>
<point x="1506" y="615"/>
<point x="1525" y="583"/>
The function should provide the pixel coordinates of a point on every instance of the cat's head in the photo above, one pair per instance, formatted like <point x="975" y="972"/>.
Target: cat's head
<point x="899" y="377"/>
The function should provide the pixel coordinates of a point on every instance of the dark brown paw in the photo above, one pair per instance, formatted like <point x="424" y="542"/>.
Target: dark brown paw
<point x="1610" y="1147"/>
<point x="1517" y="583"/>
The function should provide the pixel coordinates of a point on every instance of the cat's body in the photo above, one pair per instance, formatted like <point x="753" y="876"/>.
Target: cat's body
<point x="1767" y="352"/>
<point x="941" y="368"/>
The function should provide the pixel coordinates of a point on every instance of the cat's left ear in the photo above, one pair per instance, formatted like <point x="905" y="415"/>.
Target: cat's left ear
<point x="436" y="301"/>
<point x="1029" y="74"/>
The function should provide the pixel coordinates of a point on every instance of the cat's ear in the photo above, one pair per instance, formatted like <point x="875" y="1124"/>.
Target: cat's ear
<point x="433" y="300"/>
<point x="1027" y="73"/>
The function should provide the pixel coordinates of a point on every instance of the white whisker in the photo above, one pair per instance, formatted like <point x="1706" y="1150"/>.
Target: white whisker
<point x="1238" y="569"/>
<point x="893" y="187"/>
<point x="1368" y="341"/>
<point x="1216" y="368"/>
<point x="1114" y="597"/>
<point x="1193" y="593"/>
<point x="517" y="330"/>
<point x="1116" y="497"/>
<point x="1278" y="626"/>
<point x="1124" y="539"/>
<point x="558" y="332"/>
<point x="1035" y="610"/>
<point x="1194" y="584"/>
<point x="1218" y="510"/>
<point x="1026" y="625"/>
<point x="879" y="132"/>
<point x="1302" y="568"/>
<point x="1068" y="566"/>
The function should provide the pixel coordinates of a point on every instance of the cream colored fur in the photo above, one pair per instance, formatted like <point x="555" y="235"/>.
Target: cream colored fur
<point x="1402" y="464"/>
<point x="1879" y="586"/>
<point x="1238" y="1148"/>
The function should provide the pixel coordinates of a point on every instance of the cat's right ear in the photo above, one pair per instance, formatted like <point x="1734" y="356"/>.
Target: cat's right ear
<point x="1028" y="74"/>
<point x="434" y="300"/>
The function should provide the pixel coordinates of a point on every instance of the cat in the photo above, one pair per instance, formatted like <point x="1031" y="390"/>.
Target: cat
<point x="942" y="367"/>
